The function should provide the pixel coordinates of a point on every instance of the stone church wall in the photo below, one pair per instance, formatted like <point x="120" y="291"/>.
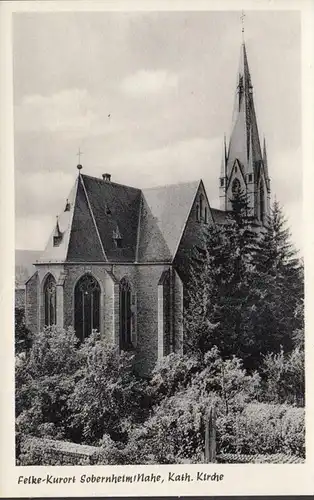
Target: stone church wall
<point x="31" y="303"/>
<point x="144" y="283"/>
<point x="148" y="278"/>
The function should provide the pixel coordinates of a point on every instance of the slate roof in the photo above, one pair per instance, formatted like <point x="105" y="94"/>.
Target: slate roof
<point x="150" y="222"/>
<point x="219" y="216"/>
<point x="114" y="206"/>
<point x="170" y="207"/>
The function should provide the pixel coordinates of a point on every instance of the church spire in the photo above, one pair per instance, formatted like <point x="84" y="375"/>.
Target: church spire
<point x="244" y="119"/>
<point x="245" y="160"/>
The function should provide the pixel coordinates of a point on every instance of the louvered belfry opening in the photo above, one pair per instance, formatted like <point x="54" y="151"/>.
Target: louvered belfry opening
<point x="125" y="314"/>
<point x="50" y="296"/>
<point x="87" y="306"/>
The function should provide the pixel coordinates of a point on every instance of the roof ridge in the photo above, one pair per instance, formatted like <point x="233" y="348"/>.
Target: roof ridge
<point x="199" y="183"/>
<point x="196" y="182"/>
<point x="93" y="218"/>
<point x="72" y="217"/>
<point x="110" y="182"/>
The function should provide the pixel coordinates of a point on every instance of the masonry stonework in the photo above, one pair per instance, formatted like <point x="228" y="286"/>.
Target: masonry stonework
<point x="31" y="303"/>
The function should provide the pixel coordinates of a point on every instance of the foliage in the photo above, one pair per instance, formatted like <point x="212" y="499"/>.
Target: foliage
<point x="23" y="336"/>
<point x="33" y="451"/>
<point x="173" y="373"/>
<point x="184" y="389"/>
<point x="284" y="377"/>
<point x="246" y="289"/>
<point x="108" y="394"/>
<point x="44" y="381"/>
<point x="263" y="428"/>
<point x="77" y="392"/>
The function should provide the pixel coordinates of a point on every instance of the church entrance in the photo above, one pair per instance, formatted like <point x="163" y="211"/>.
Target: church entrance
<point x="87" y="306"/>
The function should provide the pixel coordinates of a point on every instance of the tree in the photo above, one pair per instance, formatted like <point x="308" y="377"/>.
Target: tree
<point x="284" y="377"/>
<point x="44" y="381"/>
<point x="23" y="336"/>
<point x="222" y="288"/>
<point x="108" y="395"/>
<point x="283" y="283"/>
<point x="239" y="287"/>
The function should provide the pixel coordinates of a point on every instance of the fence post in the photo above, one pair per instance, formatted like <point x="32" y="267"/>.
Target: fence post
<point x="207" y="452"/>
<point x="210" y="436"/>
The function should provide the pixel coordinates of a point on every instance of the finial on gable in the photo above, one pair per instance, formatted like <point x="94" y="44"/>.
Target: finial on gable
<point x="79" y="154"/>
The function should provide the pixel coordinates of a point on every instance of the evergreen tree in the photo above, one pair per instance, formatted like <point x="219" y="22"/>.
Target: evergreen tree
<point x="246" y="290"/>
<point x="221" y="285"/>
<point x="283" y="285"/>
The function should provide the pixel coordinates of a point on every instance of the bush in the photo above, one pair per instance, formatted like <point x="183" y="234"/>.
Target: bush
<point x="284" y="377"/>
<point x="108" y="395"/>
<point x="36" y="452"/>
<point x="44" y="381"/>
<point x="262" y="429"/>
<point x="23" y="336"/>
<point x="293" y="431"/>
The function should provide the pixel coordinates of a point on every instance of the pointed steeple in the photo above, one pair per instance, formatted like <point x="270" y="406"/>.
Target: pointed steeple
<point x="245" y="163"/>
<point x="244" y="127"/>
<point x="223" y="159"/>
<point x="265" y="156"/>
<point x="57" y="235"/>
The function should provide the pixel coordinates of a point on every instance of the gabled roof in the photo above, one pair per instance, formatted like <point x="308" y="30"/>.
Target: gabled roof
<point x="59" y="253"/>
<point x="149" y="223"/>
<point x="168" y="207"/>
<point x="114" y="205"/>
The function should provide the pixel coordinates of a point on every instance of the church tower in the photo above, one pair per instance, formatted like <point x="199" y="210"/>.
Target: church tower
<point x="244" y="162"/>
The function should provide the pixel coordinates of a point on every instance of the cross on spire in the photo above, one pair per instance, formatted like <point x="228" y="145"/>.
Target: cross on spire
<point x="242" y="17"/>
<point x="79" y="154"/>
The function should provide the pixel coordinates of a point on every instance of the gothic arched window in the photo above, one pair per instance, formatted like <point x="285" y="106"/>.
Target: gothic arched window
<point x="87" y="306"/>
<point x="50" y="296"/>
<point x="262" y="202"/>
<point x="125" y="314"/>
<point x="198" y="218"/>
<point x="236" y="187"/>
<point x="201" y="206"/>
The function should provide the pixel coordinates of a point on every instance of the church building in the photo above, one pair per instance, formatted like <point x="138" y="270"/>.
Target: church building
<point x="112" y="260"/>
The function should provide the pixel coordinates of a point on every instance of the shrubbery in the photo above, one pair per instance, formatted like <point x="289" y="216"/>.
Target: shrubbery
<point x="91" y="394"/>
<point x="264" y="429"/>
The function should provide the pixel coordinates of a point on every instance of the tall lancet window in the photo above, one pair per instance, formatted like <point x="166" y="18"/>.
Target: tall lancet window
<point x="201" y="206"/>
<point x="50" y="296"/>
<point x="125" y="314"/>
<point x="262" y="202"/>
<point x="87" y="306"/>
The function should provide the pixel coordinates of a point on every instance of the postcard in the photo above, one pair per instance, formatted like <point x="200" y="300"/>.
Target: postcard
<point x="157" y="241"/>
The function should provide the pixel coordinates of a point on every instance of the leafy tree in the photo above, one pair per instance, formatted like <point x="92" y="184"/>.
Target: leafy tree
<point x="108" y="395"/>
<point x="284" y="377"/>
<point x="44" y="380"/>
<point x="187" y="387"/>
<point x="23" y="336"/>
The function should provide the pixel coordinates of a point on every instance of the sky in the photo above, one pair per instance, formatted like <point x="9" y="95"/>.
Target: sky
<point x="148" y="97"/>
